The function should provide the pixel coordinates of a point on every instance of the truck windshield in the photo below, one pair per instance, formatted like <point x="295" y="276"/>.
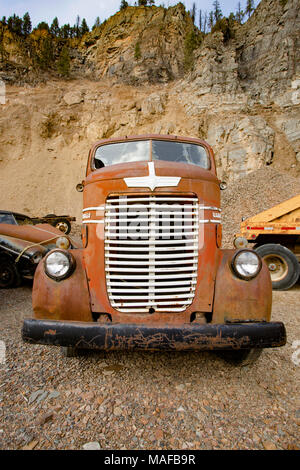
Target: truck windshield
<point x="136" y="151"/>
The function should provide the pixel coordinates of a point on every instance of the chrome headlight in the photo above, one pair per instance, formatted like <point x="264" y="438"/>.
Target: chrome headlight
<point x="240" y="242"/>
<point x="63" y="243"/>
<point x="246" y="264"/>
<point x="59" y="264"/>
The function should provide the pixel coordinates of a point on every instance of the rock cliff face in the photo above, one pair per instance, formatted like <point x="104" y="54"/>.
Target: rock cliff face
<point x="242" y="96"/>
<point x="139" y="45"/>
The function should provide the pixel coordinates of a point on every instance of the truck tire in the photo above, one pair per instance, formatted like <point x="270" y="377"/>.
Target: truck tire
<point x="9" y="275"/>
<point x="63" y="225"/>
<point x="241" y="357"/>
<point x="282" y="263"/>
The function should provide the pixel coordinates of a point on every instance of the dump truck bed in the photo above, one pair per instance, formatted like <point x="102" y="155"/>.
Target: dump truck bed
<point x="282" y="219"/>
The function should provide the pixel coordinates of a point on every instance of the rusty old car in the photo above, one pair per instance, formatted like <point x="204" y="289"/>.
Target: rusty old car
<point x="61" y="222"/>
<point x="23" y="246"/>
<point x="152" y="273"/>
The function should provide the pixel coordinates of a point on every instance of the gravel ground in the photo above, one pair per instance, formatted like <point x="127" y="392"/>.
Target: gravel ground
<point x="157" y="400"/>
<point x="145" y="400"/>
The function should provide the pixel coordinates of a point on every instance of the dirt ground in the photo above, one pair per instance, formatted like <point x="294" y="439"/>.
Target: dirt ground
<point x="142" y="400"/>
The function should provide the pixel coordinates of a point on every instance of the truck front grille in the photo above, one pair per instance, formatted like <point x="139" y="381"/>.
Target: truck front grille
<point x="151" y="252"/>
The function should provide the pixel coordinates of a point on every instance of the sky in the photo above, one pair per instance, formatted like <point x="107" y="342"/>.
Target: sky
<point x="67" y="10"/>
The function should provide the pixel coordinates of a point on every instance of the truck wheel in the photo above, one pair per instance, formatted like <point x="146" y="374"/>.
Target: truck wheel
<point x="63" y="225"/>
<point x="241" y="357"/>
<point x="282" y="263"/>
<point x="9" y="275"/>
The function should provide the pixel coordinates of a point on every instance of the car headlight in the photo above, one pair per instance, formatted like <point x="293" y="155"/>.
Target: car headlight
<point x="246" y="264"/>
<point x="59" y="264"/>
<point x="240" y="242"/>
<point x="63" y="243"/>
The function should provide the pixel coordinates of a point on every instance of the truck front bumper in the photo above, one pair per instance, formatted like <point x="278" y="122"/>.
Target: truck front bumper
<point x="188" y="337"/>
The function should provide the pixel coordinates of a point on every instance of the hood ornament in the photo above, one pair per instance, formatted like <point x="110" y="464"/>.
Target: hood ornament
<point x="152" y="181"/>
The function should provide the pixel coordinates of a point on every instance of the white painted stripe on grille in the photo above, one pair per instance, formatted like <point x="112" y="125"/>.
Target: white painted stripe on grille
<point x="159" y="284"/>
<point x="93" y="221"/>
<point x="155" y="219"/>
<point x="117" y="215"/>
<point x="151" y="249"/>
<point x="142" y="291"/>
<point x="211" y="208"/>
<point x="149" y="303"/>
<point x="145" y="235"/>
<point x="160" y="256"/>
<point x="99" y="208"/>
<point x="133" y="277"/>
<point x="141" y="270"/>
<point x="146" y="242"/>
<point x="149" y="197"/>
<point x="146" y="310"/>
<point x="152" y="262"/>
<point x="155" y="298"/>
<point x="150" y="205"/>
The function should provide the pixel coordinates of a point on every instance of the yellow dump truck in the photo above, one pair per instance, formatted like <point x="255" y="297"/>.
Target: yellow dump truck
<point x="275" y="234"/>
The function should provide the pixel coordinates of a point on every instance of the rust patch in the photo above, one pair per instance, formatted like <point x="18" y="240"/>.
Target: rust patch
<point x="50" y="332"/>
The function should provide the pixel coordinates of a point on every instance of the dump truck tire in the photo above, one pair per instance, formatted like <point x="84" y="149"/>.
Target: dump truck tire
<point x="241" y="357"/>
<point x="9" y="275"/>
<point x="282" y="263"/>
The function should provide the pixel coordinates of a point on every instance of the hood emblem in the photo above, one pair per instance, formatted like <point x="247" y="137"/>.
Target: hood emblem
<point x="152" y="181"/>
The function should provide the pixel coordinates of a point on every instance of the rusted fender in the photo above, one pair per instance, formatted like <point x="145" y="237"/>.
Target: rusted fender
<point x="65" y="300"/>
<point x="15" y="246"/>
<point x="33" y="233"/>
<point x="240" y="300"/>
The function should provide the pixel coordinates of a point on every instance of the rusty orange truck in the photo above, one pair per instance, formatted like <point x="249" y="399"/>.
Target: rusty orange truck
<point x="151" y="273"/>
<point x="275" y="234"/>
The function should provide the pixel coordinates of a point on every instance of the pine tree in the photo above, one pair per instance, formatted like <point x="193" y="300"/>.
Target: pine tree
<point x="46" y="55"/>
<point x="239" y="15"/>
<point x="3" y="53"/>
<point x="193" y="12"/>
<point x="15" y="24"/>
<point x="84" y="27"/>
<point x="217" y="10"/>
<point x="249" y="7"/>
<point x="43" y="25"/>
<point x="54" y="28"/>
<point x="27" y="26"/>
<point x="211" y="19"/>
<point x="77" y="28"/>
<point x="63" y="63"/>
<point x="200" y="20"/>
<point x="205" y="22"/>
<point x="123" y="5"/>
<point x="65" y="31"/>
<point x="97" y="23"/>
<point x="142" y="3"/>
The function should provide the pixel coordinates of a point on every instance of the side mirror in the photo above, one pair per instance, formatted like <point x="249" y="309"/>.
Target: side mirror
<point x="223" y="185"/>
<point x="79" y="187"/>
